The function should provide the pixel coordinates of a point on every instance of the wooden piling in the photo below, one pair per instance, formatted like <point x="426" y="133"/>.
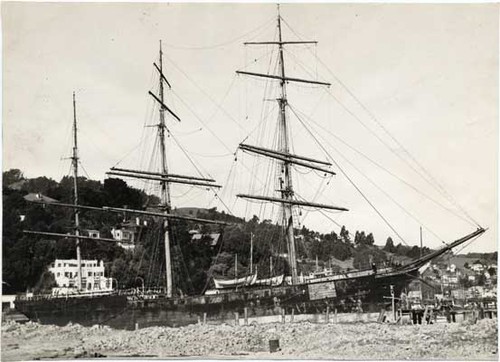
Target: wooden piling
<point x="327" y="316"/>
<point x="283" y="314"/>
<point x="293" y="314"/>
<point x="204" y="318"/>
<point x="336" y="317"/>
<point x="236" y="318"/>
<point x="246" y="316"/>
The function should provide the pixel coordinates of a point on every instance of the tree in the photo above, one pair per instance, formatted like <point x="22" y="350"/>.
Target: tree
<point x="389" y="245"/>
<point x="492" y="271"/>
<point x="344" y="235"/>
<point x="11" y="176"/>
<point x="365" y="255"/>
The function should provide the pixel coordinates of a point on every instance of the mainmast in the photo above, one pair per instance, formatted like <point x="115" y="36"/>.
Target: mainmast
<point x="74" y="159"/>
<point x="286" y="188"/>
<point x="287" y="197"/>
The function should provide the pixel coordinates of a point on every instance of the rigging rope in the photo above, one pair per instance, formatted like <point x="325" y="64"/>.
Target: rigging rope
<point x="355" y="186"/>
<point x="429" y="179"/>
<point x="387" y="171"/>
<point x="259" y="29"/>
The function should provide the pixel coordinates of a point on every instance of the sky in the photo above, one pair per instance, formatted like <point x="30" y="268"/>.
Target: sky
<point x="425" y="75"/>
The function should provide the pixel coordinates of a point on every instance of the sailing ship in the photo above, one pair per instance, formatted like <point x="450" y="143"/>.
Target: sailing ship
<point x="124" y="309"/>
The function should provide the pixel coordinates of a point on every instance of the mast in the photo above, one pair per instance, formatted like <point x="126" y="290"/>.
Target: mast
<point x="286" y="187"/>
<point x="287" y="197"/>
<point x="74" y="159"/>
<point x="165" y="185"/>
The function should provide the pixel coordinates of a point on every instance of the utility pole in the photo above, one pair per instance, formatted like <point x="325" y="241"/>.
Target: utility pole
<point x="393" y="304"/>
<point x="236" y="267"/>
<point x="74" y="159"/>
<point x="251" y="253"/>
<point x="271" y="266"/>
<point x="420" y="282"/>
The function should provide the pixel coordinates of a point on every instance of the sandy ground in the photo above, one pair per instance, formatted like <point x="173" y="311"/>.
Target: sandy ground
<point x="297" y="340"/>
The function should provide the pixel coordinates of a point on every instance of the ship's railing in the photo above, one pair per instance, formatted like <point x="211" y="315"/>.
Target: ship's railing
<point x="46" y="296"/>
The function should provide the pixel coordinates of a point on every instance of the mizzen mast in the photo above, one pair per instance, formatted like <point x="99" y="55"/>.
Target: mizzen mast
<point x="287" y="196"/>
<point x="74" y="159"/>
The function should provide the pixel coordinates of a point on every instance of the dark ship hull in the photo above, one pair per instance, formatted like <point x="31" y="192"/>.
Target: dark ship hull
<point x="346" y="292"/>
<point x="126" y="311"/>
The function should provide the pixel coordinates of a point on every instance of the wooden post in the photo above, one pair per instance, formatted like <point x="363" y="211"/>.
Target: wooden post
<point x="236" y="318"/>
<point x="283" y="314"/>
<point x="293" y="314"/>
<point x="327" y="319"/>
<point x="336" y="317"/>
<point x="204" y="318"/>
<point x="246" y="316"/>
<point x="136" y="326"/>
<point x="393" y="306"/>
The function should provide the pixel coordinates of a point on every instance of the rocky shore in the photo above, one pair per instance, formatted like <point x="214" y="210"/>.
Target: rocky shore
<point x="297" y="340"/>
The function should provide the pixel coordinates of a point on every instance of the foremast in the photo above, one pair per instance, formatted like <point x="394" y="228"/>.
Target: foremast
<point x="287" y="196"/>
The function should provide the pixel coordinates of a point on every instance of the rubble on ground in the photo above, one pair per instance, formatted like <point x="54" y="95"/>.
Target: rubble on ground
<point x="302" y="340"/>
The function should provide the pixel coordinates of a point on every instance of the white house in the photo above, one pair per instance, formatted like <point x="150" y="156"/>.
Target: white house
<point x="127" y="233"/>
<point x="214" y="237"/>
<point x="66" y="275"/>
<point x="93" y="233"/>
<point x="477" y="267"/>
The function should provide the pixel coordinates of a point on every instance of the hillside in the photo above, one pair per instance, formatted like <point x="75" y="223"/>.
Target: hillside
<point x="26" y="258"/>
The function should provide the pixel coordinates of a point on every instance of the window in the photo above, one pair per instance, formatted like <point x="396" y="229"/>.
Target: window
<point x="58" y="274"/>
<point x="90" y="274"/>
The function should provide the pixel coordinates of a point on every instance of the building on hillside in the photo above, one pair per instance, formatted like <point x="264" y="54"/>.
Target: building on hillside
<point x="128" y="232"/>
<point x="38" y="197"/>
<point x="471" y="276"/>
<point x="65" y="272"/>
<point x="449" y="279"/>
<point x="197" y="236"/>
<point x="478" y="267"/>
<point x="458" y="294"/>
<point x="95" y="234"/>
<point x="18" y="185"/>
